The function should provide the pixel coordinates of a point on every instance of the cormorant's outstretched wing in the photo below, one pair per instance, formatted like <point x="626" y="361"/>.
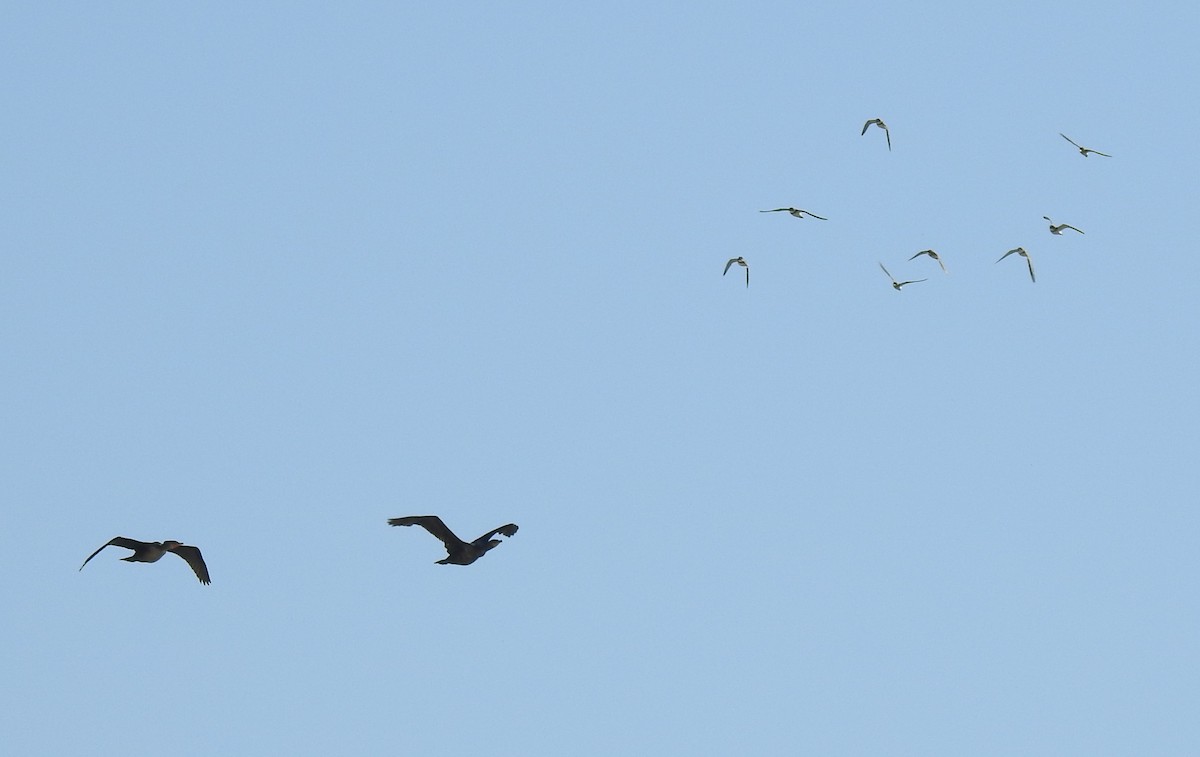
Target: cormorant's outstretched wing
<point x="117" y="541"/>
<point x="434" y="525"/>
<point x="192" y="556"/>
<point x="508" y="530"/>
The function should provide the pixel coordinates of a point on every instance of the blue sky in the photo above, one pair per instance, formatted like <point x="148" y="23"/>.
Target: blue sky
<point x="276" y="272"/>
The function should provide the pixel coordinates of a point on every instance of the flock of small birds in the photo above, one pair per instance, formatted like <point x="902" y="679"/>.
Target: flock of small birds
<point x="1055" y="228"/>
<point x="458" y="552"/>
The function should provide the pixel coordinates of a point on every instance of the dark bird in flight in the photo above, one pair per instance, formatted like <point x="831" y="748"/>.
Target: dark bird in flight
<point x="1083" y="150"/>
<point x="1021" y="251"/>
<point x="879" y="122"/>
<point x="1057" y="229"/>
<point x="460" y="552"/>
<point x="796" y="212"/>
<point x="742" y="262"/>
<point x="897" y="284"/>
<point x="933" y="255"/>
<point x="151" y="551"/>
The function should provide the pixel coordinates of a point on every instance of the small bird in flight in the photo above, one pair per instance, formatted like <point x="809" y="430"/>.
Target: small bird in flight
<point x="459" y="551"/>
<point x="1021" y="251"/>
<point x="1083" y="150"/>
<point x="742" y="262"/>
<point x="897" y="284"/>
<point x="796" y="212"/>
<point x="1057" y="229"/>
<point x="879" y="122"/>
<point x="933" y="255"/>
<point x="151" y="551"/>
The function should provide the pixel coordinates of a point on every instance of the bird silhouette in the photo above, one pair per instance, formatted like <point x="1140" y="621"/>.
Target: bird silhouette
<point x="879" y="122"/>
<point x="152" y="551"/>
<point x="933" y="255"/>
<point x="459" y="552"/>
<point x="1021" y="251"/>
<point x="795" y="212"/>
<point x="742" y="262"/>
<point x="1057" y="229"/>
<point x="1083" y="150"/>
<point x="897" y="284"/>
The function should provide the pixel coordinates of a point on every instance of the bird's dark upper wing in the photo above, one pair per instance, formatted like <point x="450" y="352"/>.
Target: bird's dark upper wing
<point x="819" y="218"/>
<point x="1064" y="136"/>
<point x="434" y="525"/>
<point x="868" y="123"/>
<point x="1100" y="153"/>
<point x="117" y="541"/>
<point x="1029" y="260"/>
<point x="731" y="262"/>
<point x="889" y="275"/>
<point x="888" y="134"/>
<point x="507" y="529"/>
<point x="193" y="558"/>
<point x="775" y="210"/>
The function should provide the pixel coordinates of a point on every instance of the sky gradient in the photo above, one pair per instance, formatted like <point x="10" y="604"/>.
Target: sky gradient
<point x="274" y="274"/>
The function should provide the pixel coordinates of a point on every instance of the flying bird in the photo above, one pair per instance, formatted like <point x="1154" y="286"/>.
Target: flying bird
<point x="1083" y="150"/>
<point x="151" y="551"/>
<point x="933" y="255"/>
<point x="1057" y="229"/>
<point x="796" y="212"/>
<point x="897" y="284"/>
<point x="1021" y="251"/>
<point x="742" y="262"/>
<point x="460" y="552"/>
<point x="879" y="122"/>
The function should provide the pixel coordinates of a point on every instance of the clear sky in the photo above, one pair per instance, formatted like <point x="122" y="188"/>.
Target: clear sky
<point x="276" y="272"/>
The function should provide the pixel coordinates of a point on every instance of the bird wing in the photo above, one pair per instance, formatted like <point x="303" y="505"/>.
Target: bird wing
<point x="776" y="210"/>
<point x="916" y="281"/>
<point x="1064" y="136"/>
<point x="1072" y="228"/>
<point x="943" y="265"/>
<point x="192" y="557"/>
<point x="434" y="525"/>
<point x="819" y="218"/>
<point x="117" y="541"/>
<point x="889" y="275"/>
<point x="507" y="530"/>
<point x="747" y="276"/>
<point x="887" y="134"/>
<point x="1005" y="255"/>
<point x="1029" y="260"/>
<point x="1100" y="153"/>
<point x="731" y="262"/>
<point x="868" y="123"/>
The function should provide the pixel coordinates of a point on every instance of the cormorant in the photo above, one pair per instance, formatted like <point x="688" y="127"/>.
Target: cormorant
<point x="151" y="551"/>
<point x="460" y="552"/>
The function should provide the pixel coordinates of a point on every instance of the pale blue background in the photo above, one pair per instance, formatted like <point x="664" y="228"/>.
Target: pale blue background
<point x="275" y="272"/>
